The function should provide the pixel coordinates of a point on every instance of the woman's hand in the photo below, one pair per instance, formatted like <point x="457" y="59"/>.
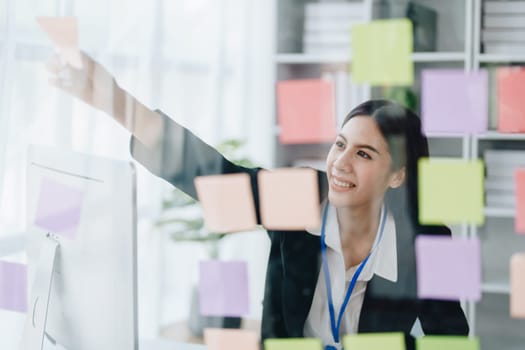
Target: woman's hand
<point x="92" y="84"/>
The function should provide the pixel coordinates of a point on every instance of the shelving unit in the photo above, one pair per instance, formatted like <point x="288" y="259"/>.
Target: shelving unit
<point x="458" y="46"/>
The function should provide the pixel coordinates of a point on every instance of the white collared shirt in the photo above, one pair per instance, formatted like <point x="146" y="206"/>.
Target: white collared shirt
<point x="382" y="262"/>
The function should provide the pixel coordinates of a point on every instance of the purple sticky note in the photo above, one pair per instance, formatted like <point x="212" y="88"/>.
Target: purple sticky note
<point x="448" y="268"/>
<point x="223" y="288"/>
<point x="453" y="101"/>
<point x="13" y="286"/>
<point x="59" y="208"/>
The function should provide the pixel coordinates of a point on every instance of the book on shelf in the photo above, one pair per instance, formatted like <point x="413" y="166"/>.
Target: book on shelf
<point x="305" y="111"/>
<point x="510" y="7"/>
<point x="504" y="21"/>
<point x="327" y="26"/>
<point x="498" y="200"/>
<point x="503" y="35"/>
<point x="492" y="99"/>
<point x="504" y="48"/>
<point x="500" y="183"/>
<point x="330" y="25"/>
<point x="335" y="9"/>
<point x="494" y="157"/>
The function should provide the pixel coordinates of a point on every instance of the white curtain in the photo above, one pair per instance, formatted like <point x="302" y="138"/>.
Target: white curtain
<point x="206" y="63"/>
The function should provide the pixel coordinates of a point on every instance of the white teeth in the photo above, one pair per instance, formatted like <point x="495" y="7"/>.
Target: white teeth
<point x="342" y="184"/>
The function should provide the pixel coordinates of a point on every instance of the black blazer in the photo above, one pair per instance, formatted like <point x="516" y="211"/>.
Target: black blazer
<point x="294" y="262"/>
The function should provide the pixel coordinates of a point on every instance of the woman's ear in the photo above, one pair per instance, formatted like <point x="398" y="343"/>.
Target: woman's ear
<point x="397" y="178"/>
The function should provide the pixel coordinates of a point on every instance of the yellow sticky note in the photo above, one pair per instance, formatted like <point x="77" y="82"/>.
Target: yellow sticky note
<point x="382" y="52"/>
<point x="289" y="199"/>
<point x="230" y="339"/>
<point x="374" y="341"/>
<point x="227" y="202"/>
<point x="63" y="32"/>
<point x="517" y="286"/>
<point x="450" y="191"/>
<point x="440" y="342"/>
<point x="293" y="344"/>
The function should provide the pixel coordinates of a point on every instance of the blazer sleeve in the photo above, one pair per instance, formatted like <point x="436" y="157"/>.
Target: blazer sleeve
<point x="179" y="156"/>
<point x="442" y="317"/>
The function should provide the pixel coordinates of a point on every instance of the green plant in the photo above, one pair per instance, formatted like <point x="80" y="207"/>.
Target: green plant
<point x="181" y="214"/>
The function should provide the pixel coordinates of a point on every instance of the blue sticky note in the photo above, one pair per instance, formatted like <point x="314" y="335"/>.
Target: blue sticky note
<point x="13" y="286"/>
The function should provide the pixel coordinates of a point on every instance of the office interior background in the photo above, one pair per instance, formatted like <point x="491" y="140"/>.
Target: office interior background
<point x="212" y="65"/>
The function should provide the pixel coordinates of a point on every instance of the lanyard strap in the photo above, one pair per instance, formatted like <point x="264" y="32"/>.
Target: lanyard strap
<point x="336" y="326"/>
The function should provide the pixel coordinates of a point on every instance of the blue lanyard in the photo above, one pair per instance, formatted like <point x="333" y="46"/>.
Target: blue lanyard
<point x="336" y="326"/>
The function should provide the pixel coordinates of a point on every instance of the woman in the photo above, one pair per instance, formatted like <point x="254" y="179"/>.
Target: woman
<point x="357" y="274"/>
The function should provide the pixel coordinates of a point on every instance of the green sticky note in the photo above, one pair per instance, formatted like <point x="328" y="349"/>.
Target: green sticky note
<point x="293" y="344"/>
<point x="374" y="341"/>
<point x="439" y="342"/>
<point x="382" y="52"/>
<point x="450" y="191"/>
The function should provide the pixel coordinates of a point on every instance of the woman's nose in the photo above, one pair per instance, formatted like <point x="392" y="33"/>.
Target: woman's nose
<point x="343" y="163"/>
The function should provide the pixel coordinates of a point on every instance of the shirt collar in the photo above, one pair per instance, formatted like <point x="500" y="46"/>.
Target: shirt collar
<point x="382" y="262"/>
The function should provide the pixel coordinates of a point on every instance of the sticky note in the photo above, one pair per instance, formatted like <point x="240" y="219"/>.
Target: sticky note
<point x="289" y="199"/>
<point x="517" y="285"/>
<point x="306" y="111"/>
<point x="448" y="268"/>
<point x="511" y="104"/>
<point x="382" y="52"/>
<point x="13" y="286"/>
<point x="223" y="288"/>
<point x="227" y="202"/>
<point x="63" y="32"/>
<point x="454" y="101"/>
<point x="450" y="191"/>
<point x="293" y="344"/>
<point x="440" y="342"/>
<point x="374" y="341"/>
<point x="59" y="208"/>
<point x="520" y="201"/>
<point x="230" y="339"/>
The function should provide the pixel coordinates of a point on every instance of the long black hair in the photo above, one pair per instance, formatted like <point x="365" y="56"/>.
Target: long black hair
<point x="401" y="128"/>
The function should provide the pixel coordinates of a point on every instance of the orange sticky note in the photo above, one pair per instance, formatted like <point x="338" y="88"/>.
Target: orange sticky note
<point x="520" y="201"/>
<point x="289" y="199"/>
<point x="63" y="32"/>
<point x="230" y="339"/>
<point x="227" y="202"/>
<point x="517" y="285"/>
<point x="511" y="104"/>
<point x="305" y="111"/>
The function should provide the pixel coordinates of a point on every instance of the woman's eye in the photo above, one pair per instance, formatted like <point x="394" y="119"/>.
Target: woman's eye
<point x="339" y="144"/>
<point x="364" y="154"/>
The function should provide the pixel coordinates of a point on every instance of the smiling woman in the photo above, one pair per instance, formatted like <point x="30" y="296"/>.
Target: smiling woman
<point x="357" y="274"/>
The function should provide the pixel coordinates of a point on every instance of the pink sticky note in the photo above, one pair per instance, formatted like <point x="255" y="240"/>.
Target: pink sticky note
<point x="63" y="32"/>
<point x="517" y="285"/>
<point x="511" y="104"/>
<point x="453" y="101"/>
<point x="448" y="268"/>
<point x="223" y="288"/>
<point x="289" y="199"/>
<point x="13" y="286"/>
<point x="230" y="339"/>
<point x="59" y="208"/>
<point x="305" y="111"/>
<point x="227" y="202"/>
<point x="520" y="201"/>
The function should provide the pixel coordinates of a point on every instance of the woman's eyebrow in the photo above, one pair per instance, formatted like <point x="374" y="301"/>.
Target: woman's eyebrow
<point x="363" y="145"/>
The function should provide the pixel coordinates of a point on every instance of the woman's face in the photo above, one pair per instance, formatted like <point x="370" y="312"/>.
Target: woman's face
<point x="359" y="165"/>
